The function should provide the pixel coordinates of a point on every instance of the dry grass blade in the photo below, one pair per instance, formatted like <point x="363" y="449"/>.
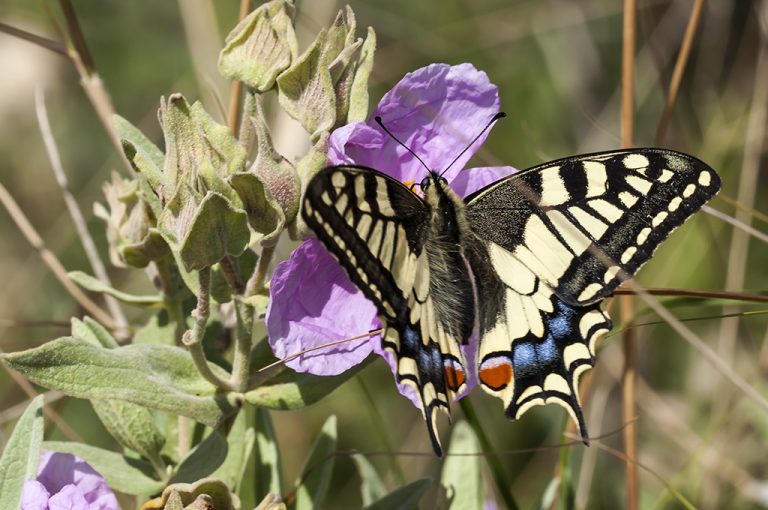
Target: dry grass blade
<point x="51" y="261"/>
<point x="74" y="211"/>
<point x="627" y="302"/>
<point x="677" y="74"/>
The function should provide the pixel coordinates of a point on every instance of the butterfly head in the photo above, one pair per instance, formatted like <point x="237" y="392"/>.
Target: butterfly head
<point x="432" y="178"/>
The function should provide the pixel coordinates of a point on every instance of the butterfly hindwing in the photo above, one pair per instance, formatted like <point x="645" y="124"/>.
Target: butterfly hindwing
<point x="534" y="347"/>
<point x="584" y="224"/>
<point x="379" y="232"/>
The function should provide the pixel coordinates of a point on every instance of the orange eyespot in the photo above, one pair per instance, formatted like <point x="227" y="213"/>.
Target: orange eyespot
<point x="496" y="373"/>
<point x="454" y="374"/>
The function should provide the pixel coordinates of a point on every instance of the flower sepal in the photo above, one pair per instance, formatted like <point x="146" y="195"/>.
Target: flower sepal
<point x="261" y="46"/>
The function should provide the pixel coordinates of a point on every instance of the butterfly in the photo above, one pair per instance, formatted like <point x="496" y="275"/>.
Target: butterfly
<point x="524" y="262"/>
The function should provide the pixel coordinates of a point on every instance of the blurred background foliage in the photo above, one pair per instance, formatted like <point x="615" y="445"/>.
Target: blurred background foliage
<point x="558" y="66"/>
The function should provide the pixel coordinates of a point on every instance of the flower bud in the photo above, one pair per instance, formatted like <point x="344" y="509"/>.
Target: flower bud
<point x="261" y="46"/>
<point x="317" y="90"/>
<point x="132" y="239"/>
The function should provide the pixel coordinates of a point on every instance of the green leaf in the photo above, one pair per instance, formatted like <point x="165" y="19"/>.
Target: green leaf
<point x="89" y="329"/>
<point x="240" y="442"/>
<point x="133" y="426"/>
<point x="371" y="488"/>
<point x="203" y="460"/>
<point x="21" y="455"/>
<point x="318" y="468"/>
<point x="123" y="474"/>
<point x="93" y="284"/>
<point x="264" y="214"/>
<point x="154" y="376"/>
<point x="358" y="96"/>
<point x="261" y="46"/>
<point x="405" y="497"/>
<point x="144" y="156"/>
<point x="268" y="475"/>
<point x="294" y="390"/>
<point x="462" y="475"/>
<point x="204" y="233"/>
<point x="159" y="329"/>
<point x="306" y="89"/>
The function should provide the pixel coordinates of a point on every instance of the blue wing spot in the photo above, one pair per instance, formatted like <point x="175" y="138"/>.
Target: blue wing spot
<point x="524" y="358"/>
<point x="547" y="350"/>
<point x="561" y="324"/>
<point x="410" y="338"/>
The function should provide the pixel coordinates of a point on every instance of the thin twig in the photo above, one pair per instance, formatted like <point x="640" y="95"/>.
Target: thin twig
<point x="700" y="346"/>
<point x="701" y="294"/>
<point x="193" y="338"/>
<point x="76" y="35"/>
<point x="90" y="80"/>
<point x="29" y="232"/>
<point x="627" y="302"/>
<point x="43" y="42"/>
<point x="736" y="223"/>
<point x="236" y="90"/>
<point x="677" y="74"/>
<point x="74" y="211"/>
<point x="736" y="204"/>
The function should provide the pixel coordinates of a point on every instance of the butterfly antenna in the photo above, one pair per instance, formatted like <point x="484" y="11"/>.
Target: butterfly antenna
<point x="496" y="117"/>
<point x="380" y="123"/>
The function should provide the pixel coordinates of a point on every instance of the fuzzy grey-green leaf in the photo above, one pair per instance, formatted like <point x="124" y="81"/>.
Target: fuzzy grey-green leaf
<point x="123" y="474"/>
<point x="261" y="46"/>
<point x="240" y="442"/>
<point x="294" y="390"/>
<point x="204" y="232"/>
<point x="93" y="284"/>
<point x="371" y="487"/>
<point x="144" y="156"/>
<point x="358" y="96"/>
<point x="155" y="376"/>
<point x="306" y="90"/>
<point x="462" y="475"/>
<point x="313" y="486"/>
<point x="21" y="455"/>
<point x="203" y="460"/>
<point x="404" y="498"/>
<point x="269" y="477"/>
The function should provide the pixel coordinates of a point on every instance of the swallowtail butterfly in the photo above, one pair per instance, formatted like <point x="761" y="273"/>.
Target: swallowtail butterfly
<point x="526" y="260"/>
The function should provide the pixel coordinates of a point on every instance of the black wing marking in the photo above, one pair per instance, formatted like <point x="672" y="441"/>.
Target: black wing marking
<point x="377" y="229"/>
<point x="534" y="347"/>
<point x="586" y="223"/>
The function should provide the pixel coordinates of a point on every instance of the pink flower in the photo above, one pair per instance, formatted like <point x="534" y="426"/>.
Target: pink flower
<point x="67" y="482"/>
<point x="436" y="111"/>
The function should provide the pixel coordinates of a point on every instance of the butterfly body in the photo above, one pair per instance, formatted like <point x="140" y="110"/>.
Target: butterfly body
<point x="524" y="263"/>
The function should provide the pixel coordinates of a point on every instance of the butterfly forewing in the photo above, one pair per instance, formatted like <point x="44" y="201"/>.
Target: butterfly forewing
<point x="584" y="224"/>
<point x="378" y="230"/>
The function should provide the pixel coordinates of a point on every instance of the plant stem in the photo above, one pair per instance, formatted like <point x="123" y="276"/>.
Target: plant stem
<point x="497" y="472"/>
<point x="256" y="282"/>
<point x="193" y="338"/>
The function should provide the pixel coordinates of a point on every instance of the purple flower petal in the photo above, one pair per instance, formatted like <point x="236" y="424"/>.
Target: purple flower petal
<point x="61" y="470"/>
<point x="472" y="179"/>
<point x="70" y="497"/>
<point x="34" y="496"/>
<point x="435" y="110"/>
<point x="313" y="302"/>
